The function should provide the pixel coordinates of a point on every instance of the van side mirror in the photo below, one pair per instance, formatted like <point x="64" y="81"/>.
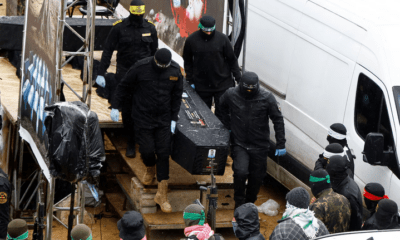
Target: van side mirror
<point x="373" y="149"/>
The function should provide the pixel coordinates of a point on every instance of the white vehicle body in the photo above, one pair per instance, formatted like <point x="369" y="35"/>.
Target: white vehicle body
<point x="364" y="235"/>
<point x="328" y="61"/>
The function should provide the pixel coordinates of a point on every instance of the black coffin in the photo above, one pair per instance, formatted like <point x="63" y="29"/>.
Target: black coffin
<point x="11" y="33"/>
<point x="199" y="130"/>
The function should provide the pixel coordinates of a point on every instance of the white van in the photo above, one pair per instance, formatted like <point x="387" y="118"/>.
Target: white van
<point x="331" y="61"/>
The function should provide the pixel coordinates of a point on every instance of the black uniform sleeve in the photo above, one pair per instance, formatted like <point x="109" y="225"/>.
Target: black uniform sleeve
<point x="177" y="98"/>
<point x="124" y="87"/>
<point x="108" y="49"/>
<point x="188" y="61"/>
<point x="232" y="60"/>
<point x="224" y="109"/>
<point x="355" y="219"/>
<point x="320" y="163"/>
<point x="154" y="44"/>
<point x="279" y="126"/>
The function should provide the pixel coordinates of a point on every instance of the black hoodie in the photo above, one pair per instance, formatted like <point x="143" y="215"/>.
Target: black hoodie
<point x="247" y="224"/>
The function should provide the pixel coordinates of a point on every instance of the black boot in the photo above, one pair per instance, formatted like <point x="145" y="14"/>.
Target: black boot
<point x="131" y="149"/>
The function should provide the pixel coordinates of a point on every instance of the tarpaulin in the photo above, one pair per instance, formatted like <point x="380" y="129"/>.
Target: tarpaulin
<point x="75" y="148"/>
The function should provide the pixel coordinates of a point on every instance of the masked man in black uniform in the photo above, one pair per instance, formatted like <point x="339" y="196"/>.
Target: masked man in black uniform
<point x="344" y="185"/>
<point x="210" y="62"/>
<point x="246" y="110"/>
<point x="156" y="85"/>
<point x="134" y="38"/>
<point x="5" y="195"/>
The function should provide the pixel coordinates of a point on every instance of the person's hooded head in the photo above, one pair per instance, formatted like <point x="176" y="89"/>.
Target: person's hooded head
<point x="336" y="168"/>
<point x="207" y="27"/>
<point x="17" y="230"/>
<point x="137" y="10"/>
<point x="319" y="181"/>
<point x="386" y="214"/>
<point x="249" y="85"/>
<point x="373" y="193"/>
<point x="131" y="226"/>
<point x="81" y="232"/>
<point x="162" y="59"/>
<point x="194" y="215"/>
<point x="337" y="134"/>
<point x="247" y="221"/>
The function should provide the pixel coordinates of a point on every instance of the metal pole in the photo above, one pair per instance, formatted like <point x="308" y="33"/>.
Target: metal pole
<point x="92" y="36"/>
<point x="233" y="22"/>
<point x="60" y="37"/>
<point x="21" y="157"/>
<point x="86" y="44"/>
<point x="71" y="211"/>
<point x="27" y="189"/>
<point x="50" y="201"/>
<point x="82" y="213"/>
<point x="246" y="16"/>
<point x="227" y="18"/>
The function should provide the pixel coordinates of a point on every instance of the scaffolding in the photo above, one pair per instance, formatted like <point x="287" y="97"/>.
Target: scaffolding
<point x="87" y="52"/>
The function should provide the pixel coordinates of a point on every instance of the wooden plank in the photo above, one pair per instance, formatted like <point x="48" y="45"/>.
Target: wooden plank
<point x="161" y="220"/>
<point x="178" y="175"/>
<point x="117" y="202"/>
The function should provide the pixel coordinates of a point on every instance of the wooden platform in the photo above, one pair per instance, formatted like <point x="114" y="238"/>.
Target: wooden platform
<point x="116" y="200"/>
<point x="179" y="177"/>
<point x="10" y="89"/>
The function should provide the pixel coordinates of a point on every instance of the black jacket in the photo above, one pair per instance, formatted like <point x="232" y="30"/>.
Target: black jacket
<point x="248" y="119"/>
<point x="350" y="190"/>
<point x="157" y="95"/>
<point x="247" y="224"/>
<point x="5" y="196"/>
<point x="373" y="224"/>
<point x="209" y="63"/>
<point x="133" y="42"/>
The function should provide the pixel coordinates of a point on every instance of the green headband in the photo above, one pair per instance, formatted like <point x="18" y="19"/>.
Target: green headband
<point x="89" y="238"/>
<point x="20" y="237"/>
<point x="206" y="29"/>
<point x="317" y="179"/>
<point x="195" y="216"/>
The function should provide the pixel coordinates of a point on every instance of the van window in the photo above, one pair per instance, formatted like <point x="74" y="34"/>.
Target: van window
<point x="371" y="114"/>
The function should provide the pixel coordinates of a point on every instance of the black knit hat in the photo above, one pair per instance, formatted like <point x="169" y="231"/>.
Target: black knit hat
<point x="163" y="58"/>
<point x="137" y="3"/>
<point x="17" y="228"/>
<point x="81" y="232"/>
<point x="207" y="21"/>
<point x="337" y="131"/>
<point x="319" y="181"/>
<point x="298" y="197"/>
<point x="375" y="189"/>
<point x="385" y="211"/>
<point x="333" y="149"/>
<point x="131" y="226"/>
<point x="336" y="164"/>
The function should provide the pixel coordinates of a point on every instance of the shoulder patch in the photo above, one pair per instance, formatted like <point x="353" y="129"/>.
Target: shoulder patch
<point x="151" y="22"/>
<point x="119" y="21"/>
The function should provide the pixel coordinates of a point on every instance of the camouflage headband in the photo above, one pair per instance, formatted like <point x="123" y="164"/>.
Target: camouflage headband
<point x="317" y="179"/>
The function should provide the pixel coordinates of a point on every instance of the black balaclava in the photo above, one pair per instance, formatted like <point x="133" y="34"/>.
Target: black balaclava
<point x="137" y="9"/>
<point x="162" y="59"/>
<point x="249" y="85"/>
<point x="331" y="150"/>
<point x="386" y="214"/>
<point x="337" y="134"/>
<point x="207" y="24"/>
<point x="298" y="197"/>
<point x="336" y="168"/>
<point x="319" y="181"/>
<point x="373" y="193"/>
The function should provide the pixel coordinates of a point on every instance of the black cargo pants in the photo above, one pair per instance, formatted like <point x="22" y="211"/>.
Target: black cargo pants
<point x="250" y="165"/>
<point x="155" y="148"/>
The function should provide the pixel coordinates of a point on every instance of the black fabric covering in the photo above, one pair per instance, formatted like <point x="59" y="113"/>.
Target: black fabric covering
<point x="239" y="42"/>
<point x="298" y="197"/>
<point x="386" y="217"/>
<point x="249" y="118"/>
<point x="76" y="147"/>
<point x="191" y="143"/>
<point x="137" y="3"/>
<point x="207" y="21"/>
<point x="334" y="148"/>
<point x="163" y="56"/>
<point x="317" y="187"/>
<point x="11" y="29"/>
<point x="377" y="190"/>
<point x="131" y="226"/>
<point x="339" y="128"/>
<point x="248" y="225"/>
<point x="5" y="197"/>
<point x="249" y="79"/>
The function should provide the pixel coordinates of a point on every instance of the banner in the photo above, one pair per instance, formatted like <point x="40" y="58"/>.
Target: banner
<point x="175" y="20"/>
<point x="39" y="68"/>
